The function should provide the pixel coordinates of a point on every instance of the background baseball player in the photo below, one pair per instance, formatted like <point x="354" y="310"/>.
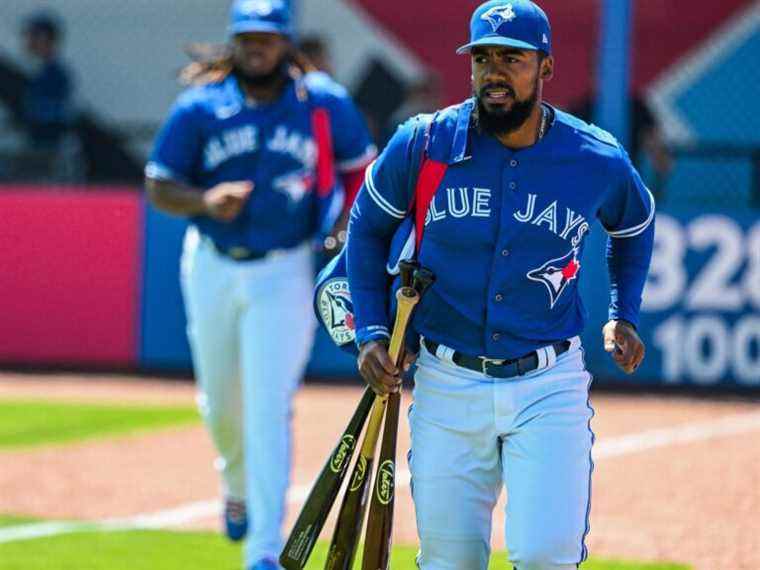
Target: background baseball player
<point x="501" y="390"/>
<point x="242" y="155"/>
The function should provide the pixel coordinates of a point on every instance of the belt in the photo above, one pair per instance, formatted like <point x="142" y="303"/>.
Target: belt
<point x="238" y="253"/>
<point x="501" y="368"/>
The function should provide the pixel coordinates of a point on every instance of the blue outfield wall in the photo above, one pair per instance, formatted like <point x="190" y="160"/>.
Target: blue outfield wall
<point x="163" y="344"/>
<point x="700" y="317"/>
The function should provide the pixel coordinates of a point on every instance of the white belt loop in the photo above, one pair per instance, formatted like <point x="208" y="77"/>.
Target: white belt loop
<point x="551" y="356"/>
<point x="445" y="353"/>
<point x="542" y="355"/>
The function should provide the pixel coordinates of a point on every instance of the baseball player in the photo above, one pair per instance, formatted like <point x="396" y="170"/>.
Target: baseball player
<point x="501" y="388"/>
<point x="250" y="154"/>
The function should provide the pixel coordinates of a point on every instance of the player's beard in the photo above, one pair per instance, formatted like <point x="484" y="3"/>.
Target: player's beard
<point x="504" y="122"/>
<point x="263" y="80"/>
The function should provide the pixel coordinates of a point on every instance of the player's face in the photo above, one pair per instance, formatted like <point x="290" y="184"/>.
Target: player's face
<point x="39" y="44"/>
<point x="258" y="54"/>
<point x="503" y="77"/>
<point x="507" y="83"/>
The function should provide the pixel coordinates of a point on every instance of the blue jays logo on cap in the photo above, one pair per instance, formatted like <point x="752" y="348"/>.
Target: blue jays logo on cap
<point x="497" y="15"/>
<point x="259" y="16"/>
<point x="519" y="24"/>
<point x="261" y="7"/>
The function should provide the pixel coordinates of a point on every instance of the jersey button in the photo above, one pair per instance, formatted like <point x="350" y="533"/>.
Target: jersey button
<point x="513" y="163"/>
<point x="496" y="336"/>
<point x="513" y="185"/>
<point x="499" y="297"/>
<point x="504" y="252"/>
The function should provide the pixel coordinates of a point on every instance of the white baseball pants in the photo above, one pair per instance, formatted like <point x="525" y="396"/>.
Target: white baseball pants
<point x="472" y="434"/>
<point x="251" y="327"/>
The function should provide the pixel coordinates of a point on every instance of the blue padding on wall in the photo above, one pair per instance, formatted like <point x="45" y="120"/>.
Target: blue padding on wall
<point x="328" y="361"/>
<point x="163" y="343"/>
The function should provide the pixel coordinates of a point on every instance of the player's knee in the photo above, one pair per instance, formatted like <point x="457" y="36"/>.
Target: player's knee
<point x="452" y="554"/>
<point x="548" y="554"/>
<point x="541" y="559"/>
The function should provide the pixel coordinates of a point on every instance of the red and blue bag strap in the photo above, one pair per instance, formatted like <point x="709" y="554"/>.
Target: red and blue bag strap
<point x="325" y="168"/>
<point x="430" y="175"/>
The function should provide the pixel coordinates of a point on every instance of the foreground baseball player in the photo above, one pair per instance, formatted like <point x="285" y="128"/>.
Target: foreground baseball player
<point x="249" y="155"/>
<point x="501" y="389"/>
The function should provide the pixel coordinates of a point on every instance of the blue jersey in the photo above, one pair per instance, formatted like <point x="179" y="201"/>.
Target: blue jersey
<point x="214" y="135"/>
<point x="504" y="233"/>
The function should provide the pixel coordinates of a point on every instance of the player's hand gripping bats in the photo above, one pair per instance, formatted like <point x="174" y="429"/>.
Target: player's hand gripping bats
<point x="309" y="524"/>
<point x="348" y="528"/>
<point x="322" y="496"/>
<point x="377" y="543"/>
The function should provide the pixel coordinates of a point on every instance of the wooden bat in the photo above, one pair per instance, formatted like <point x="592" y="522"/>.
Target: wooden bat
<point x="351" y="518"/>
<point x="322" y="495"/>
<point x="377" y="543"/>
<point x="348" y="529"/>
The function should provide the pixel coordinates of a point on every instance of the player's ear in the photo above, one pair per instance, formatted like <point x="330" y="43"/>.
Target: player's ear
<point x="547" y="68"/>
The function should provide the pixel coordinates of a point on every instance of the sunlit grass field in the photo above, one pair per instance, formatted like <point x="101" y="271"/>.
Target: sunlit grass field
<point x="165" y="550"/>
<point x="25" y="423"/>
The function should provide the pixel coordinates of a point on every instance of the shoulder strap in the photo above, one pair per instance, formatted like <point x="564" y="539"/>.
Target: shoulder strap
<point x="320" y="125"/>
<point x="430" y="175"/>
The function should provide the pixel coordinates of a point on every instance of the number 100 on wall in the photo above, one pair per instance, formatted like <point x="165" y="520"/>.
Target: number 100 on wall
<point x="704" y="293"/>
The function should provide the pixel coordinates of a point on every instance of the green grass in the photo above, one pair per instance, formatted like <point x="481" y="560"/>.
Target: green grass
<point x="162" y="550"/>
<point x="26" y="423"/>
<point x="12" y="520"/>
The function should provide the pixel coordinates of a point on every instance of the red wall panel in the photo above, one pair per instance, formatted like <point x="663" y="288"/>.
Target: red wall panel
<point x="663" y="32"/>
<point x="69" y="274"/>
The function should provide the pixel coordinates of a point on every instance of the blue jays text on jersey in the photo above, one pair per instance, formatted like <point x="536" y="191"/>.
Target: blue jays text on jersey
<point x="214" y="135"/>
<point x="504" y="232"/>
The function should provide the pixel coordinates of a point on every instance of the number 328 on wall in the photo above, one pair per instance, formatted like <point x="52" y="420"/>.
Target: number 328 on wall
<point x="707" y="273"/>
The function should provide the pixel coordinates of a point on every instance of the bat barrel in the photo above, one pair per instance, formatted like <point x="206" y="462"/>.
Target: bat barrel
<point x="377" y="544"/>
<point x="322" y="496"/>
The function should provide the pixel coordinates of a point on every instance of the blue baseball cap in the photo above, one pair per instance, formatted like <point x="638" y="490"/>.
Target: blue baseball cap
<point x="512" y="23"/>
<point x="260" y="16"/>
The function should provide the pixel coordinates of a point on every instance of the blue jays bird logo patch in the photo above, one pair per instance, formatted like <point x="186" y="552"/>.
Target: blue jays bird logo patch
<point x="337" y="310"/>
<point x="497" y="15"/>
<point x="556" y="274"/>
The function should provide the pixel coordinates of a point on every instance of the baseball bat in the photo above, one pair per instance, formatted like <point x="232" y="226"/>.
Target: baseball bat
<point x="377" y="544"/>
<point x="348" y="528"/>
<point x="322" y="496"/>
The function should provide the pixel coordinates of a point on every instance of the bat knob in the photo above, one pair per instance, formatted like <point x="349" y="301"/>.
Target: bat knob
<point x="407" y="267"/>
<point x="423" y="279"/>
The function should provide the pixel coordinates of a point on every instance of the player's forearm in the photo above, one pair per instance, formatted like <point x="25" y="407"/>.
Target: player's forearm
<point x="628" y="262"/>
<point x="175" y="198"/>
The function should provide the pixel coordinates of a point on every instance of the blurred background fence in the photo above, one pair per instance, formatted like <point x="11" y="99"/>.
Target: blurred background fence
<point x="89" y="273"/>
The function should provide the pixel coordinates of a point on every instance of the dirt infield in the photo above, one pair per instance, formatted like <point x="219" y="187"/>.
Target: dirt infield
<point x="676" y="479"/>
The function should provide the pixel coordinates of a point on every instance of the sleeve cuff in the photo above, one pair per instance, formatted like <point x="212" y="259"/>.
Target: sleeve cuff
<point x="158" y="171"/>
<point x="616" y="315"/>
<point x="372" y="332"/>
